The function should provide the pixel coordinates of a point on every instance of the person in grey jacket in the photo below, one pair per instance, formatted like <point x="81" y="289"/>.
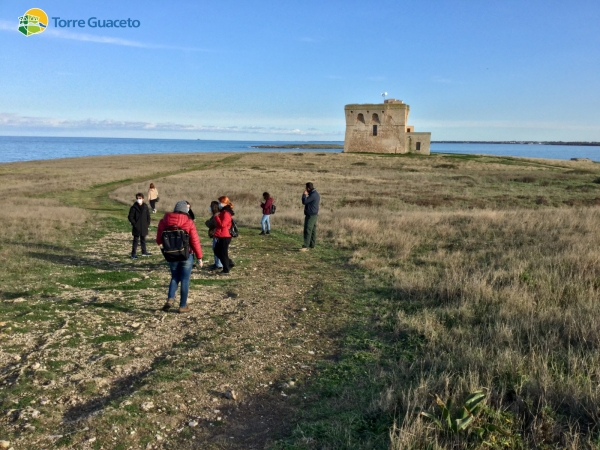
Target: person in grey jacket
<point x="310" y="200"/>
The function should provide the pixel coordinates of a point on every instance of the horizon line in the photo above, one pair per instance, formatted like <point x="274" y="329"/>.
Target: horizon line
<point x="507" y="142"/>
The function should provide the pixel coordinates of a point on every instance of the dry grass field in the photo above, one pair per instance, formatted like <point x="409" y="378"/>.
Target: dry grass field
<point x="434" y="276"/>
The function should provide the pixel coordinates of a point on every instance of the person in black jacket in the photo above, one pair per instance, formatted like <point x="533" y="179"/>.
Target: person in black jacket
<point x="190" y="212"/>
<point x="310" y="200"/>
<point x="139" y="218"/>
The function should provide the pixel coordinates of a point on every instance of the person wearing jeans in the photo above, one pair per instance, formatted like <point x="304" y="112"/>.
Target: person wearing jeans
<point x="218" y="263"/>
<point x="310" y="200"/>
<point x="265" y="222"/>
<point x="180" y="270"/>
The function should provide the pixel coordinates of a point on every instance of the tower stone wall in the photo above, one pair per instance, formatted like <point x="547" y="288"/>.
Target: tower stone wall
<point x="383" y="128"/>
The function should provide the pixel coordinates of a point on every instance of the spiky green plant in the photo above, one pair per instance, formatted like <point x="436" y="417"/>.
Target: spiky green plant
<point x="455" y="422"/>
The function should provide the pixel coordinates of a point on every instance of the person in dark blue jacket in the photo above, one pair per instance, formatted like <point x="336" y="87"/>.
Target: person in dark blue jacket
<point x="310" y="200"/>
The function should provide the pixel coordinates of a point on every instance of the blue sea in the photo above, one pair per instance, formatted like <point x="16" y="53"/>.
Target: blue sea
<point x="16" y="148"/>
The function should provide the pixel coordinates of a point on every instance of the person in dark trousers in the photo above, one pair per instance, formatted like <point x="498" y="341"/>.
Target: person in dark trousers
<point x="152" y="197"/>
<point x="139" y="218"/>
<point x="212" y="226"/>
<point x="265" y="223"/>
<point x="310" y="200"/>
<point x="224" y="221"/>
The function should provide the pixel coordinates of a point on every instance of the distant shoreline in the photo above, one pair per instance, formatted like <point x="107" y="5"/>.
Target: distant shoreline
<point x="322" y="146"/>
<point x="338" y="146"/>
<point x="584" y="144"/>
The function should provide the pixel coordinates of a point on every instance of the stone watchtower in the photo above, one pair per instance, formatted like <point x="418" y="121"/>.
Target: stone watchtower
<point x="382" y="128"/>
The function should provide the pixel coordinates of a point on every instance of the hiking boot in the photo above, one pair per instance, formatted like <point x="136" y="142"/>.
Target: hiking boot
<point x="304" y="249"/>
<point x="223" y="273"/>
<point x="268" y="232"/>
<point x="146" y="254"/>
<point x="184" y="309"/>
<point x="261" y="233"/>
<point x="134" y="257"/>
<point x="231" y="264"/>
<point x="167" y="305"/>
<point x="153" y="211"/>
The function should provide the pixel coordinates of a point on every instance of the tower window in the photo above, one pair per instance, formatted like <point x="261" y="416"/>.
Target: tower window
<point x="360" y="118"/>
<point x="374" y="130"/>
<point x="375" y="118"/>
<point x="418" y="146"/>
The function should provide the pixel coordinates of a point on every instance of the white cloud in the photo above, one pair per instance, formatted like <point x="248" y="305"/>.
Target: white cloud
<point x="504" y="124"/>
<point x="86" y="37"/>
<point x="8" y="26"/>
<point x="376" y="78"/>
<point x="438" y="79"/>
<point x="15" y="121"/>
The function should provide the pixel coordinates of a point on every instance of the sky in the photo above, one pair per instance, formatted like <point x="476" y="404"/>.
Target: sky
<point x="283" y="70"/>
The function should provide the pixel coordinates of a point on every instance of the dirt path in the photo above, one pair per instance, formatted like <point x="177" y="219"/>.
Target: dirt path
<point x="106" y="368"/>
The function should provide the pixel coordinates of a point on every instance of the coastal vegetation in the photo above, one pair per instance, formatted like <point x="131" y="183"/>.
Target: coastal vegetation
<point x="569" y="143"/>
<point x="453" y="301"/>
<point x="300" y="146"/>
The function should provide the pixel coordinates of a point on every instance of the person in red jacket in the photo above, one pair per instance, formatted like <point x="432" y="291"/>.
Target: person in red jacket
<point x="180" y="270"/>
<point x="224" y="222"/>
<point x="265" y="223"/>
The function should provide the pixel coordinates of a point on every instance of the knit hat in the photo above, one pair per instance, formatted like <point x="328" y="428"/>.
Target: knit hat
<point x="181" y="206"/>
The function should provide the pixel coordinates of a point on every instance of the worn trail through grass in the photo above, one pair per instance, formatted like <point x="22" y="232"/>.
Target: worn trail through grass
<point x="97" y="364"/>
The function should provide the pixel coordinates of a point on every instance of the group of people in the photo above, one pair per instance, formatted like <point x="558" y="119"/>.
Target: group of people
<point x="219" y="230"/>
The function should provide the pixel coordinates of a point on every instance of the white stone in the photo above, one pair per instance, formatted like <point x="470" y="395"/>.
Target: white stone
<point x="147" y="406"/>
